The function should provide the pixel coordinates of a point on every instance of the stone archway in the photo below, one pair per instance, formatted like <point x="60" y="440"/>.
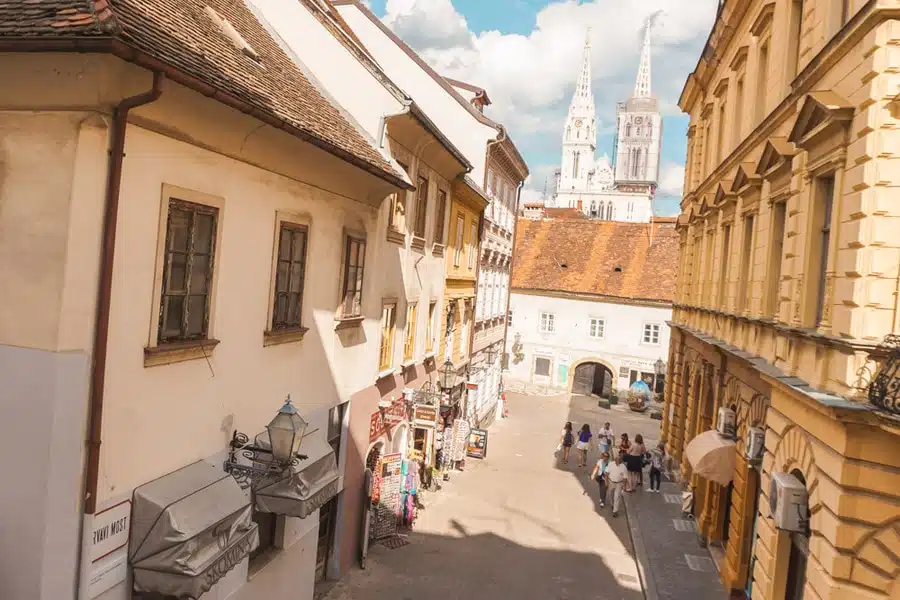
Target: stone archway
<point x="591" y="376"/>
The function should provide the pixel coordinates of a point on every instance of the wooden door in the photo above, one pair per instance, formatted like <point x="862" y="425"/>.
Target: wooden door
<point x="584" y="379"/>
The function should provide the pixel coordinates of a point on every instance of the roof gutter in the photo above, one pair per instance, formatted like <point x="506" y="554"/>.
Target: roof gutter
<point x="104" y="298"/>
<point x="133" y="55"/>
<point x="487" y="155"/>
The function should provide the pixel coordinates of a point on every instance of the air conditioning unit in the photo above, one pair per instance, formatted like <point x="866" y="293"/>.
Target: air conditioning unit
<point x="726" y="424"/>
<point x="788" y="502"/>
<point x="756" y="444"/>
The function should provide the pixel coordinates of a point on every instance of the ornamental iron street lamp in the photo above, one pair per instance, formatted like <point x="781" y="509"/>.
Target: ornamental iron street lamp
<point x="272" y="461"/>
<point x="446" y="373"/>
<point x="492" y="353"/>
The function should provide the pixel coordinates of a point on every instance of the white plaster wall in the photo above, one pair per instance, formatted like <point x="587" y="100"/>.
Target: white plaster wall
<point x="571" y="340"/>
<point x="453" y="119"/>
<point x="340" y="74"/>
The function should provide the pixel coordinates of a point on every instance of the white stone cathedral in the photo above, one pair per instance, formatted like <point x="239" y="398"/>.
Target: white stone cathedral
<point x="624" y="190"/>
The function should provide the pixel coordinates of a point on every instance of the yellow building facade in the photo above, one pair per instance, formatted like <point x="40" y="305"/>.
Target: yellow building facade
<point x="467" y="204"/>
<point x="787" y="289"/>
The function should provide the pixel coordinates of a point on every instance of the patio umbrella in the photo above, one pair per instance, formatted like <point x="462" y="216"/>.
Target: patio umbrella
<point x="712" y="457"/>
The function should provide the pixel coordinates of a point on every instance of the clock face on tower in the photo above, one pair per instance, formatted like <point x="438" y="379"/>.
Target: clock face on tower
<point x="638" y="120"/>
<point x="578" y="123"/>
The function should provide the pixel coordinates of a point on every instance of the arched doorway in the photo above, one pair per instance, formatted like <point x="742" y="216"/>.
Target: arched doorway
<point x="798" y="558"/>
<point x="592" y="378"/>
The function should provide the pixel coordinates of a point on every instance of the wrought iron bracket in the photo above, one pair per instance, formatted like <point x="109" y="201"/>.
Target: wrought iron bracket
<point x="252" y="476"/>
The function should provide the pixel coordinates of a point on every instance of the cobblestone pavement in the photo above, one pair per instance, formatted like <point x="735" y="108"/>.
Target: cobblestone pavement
<point x="676" y="565"/>
<point x="520" y="525"/>
<point x="516" y="526"/>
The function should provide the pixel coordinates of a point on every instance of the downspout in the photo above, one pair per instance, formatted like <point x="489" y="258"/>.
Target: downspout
<point x="104" y="297"/>
<point x="382" y="126"/>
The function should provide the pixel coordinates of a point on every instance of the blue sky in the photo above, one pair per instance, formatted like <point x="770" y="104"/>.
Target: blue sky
<point x="526" y="53"/>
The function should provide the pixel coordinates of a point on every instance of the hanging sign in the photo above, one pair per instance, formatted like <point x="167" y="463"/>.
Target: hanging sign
<point x="425" y="416"/>
<point x="384" y="420"/>
<point x="477" y="446"/>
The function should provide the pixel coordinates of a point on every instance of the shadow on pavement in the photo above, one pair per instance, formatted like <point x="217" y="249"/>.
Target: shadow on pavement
<point x="483" y="566"/>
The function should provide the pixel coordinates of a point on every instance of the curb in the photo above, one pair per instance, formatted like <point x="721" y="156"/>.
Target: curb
<point x="648" y="583"/>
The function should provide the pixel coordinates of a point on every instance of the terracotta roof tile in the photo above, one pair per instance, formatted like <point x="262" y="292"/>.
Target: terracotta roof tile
<point x="182" y="35"/>
<point x="564" y="213"/>
<point x="603" y="258"/>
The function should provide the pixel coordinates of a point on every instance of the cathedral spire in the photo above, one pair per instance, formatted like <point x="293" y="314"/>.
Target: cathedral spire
<point x="583" y="95"/>
<point x="642" y="85"/>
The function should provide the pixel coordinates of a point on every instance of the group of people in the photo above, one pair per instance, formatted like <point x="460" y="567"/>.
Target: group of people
<point x="620" y="468"/>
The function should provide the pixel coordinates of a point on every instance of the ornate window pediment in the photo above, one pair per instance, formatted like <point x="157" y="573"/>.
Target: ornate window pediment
<point x="723" y="193"/>
<point x="777" y="152"/>
<point x="820" y="112"/>
<point x="763" y="19"/>
<point x="745" y="177"/>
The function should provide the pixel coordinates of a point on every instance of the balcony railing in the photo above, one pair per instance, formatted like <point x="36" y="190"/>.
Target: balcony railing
<point x="884" y="388"/>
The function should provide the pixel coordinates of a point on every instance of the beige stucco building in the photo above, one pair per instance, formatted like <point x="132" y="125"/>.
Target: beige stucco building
<point x="787" y="287"/>
<point x="184" y="245"/>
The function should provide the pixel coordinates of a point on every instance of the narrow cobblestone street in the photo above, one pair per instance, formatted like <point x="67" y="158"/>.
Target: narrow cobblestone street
<point x="517" y="525"/>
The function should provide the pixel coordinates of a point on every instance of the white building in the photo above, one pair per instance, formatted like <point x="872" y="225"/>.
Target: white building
<point x="457" y="109"/>
<point x="589" y="304"/>
<point x="622" y="191"/>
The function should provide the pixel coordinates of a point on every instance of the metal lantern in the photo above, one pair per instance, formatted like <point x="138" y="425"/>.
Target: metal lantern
<point x="285" y="432"/>
<point x="659" y="366"/>
<point x="446" y="373"/>
<point x="491" y="353"/>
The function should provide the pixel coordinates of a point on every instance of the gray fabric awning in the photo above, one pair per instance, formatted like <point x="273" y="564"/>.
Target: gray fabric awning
<point x="189" y="528"/>
<point x="312" y="483"/>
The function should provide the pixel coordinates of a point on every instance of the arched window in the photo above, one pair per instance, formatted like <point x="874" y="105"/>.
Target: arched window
<point x="627" y="129"/>
<point x="594" y="208"/>
<point x="575" y="165"/>
<point x="609" y="212"/>
<point x="569" y="132"/>
<point x="649" y="128"/>
<point x="636" y="163"/>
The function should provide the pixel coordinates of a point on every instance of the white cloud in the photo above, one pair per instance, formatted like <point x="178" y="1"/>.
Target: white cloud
<point x="671" y="179"/>
<point x="530" y="77"/>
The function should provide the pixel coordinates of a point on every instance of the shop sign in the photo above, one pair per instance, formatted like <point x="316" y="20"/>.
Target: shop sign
<point x="425" y="415"/>
<point x="471" y="385"/>
<point x="477" y="446"/>
<point x="639" y="364"/>
<point x="543" y="351"/>
<point x="110" y="530"/>
<point x="384" y="420"/>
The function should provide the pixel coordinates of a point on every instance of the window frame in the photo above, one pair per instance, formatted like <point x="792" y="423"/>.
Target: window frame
<point x="649" y="326"/>
<point x="388" y="330"/>
<point x="459" y="237"/>
<point x="420" y="221"/>
<point x="549" y="366"/>
<point x="429" y="327"/>
<point x="351" y="237"/>
<point x="334" y="438"/>
<point x="440" y="216"/>
<point x="409" y="337"/>
<point x="473" y="244"/>
<point x="172" y="201"/>
<point x="395" y="204"/>
<point x="547" y="322"/>
<point x="283" y="225"/>
<point x="602" y="327"/>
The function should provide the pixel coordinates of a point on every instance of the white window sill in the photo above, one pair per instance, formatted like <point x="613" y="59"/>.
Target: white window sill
<point x="385" y="373"/>
<point x="408" y="363"/>
<point x="429" y="355"/>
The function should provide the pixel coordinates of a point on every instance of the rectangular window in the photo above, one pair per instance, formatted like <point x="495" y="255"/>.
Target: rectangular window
<point x="794" y="42"/>
<point x="708" y="282"/>
<point x="439" y="218"/>
<point x="542" y="367"/>
<point x="651" y="333"/>
<point x="473" y="244"/>
<point x="720" y="135"/>
<point x="354" y="268"/>
<point x="822" y="216"/>
<point x="397" y="215"/>
<point x="746" y="262"/>
<point x="335" y="427"/>
<point x="429" y="328"/>
<point x="547" y="324"/>
<point x="460" y="226"/>
<point x="724" y="265"/>
<point x="421" y="207"/>
<point x="289" y="275"/>
<point x="187" y="272"/>
<point x="738" y="113"/>
<point x="386" y="353"/>
<point x="597" y="328"/>
<point x="409" y="344"/>
<point x="762" y="69"/>
<point x="776" y="256"/>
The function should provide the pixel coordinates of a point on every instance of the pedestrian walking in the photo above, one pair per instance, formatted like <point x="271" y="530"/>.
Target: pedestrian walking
<point x="624" y="445"/>
<point x="566" y="441"/>
<point x="634" y="460"/>
<point x="657" y="460"/>
<point x="584" y="442"/>
<point x="599" y="475"/>
<point x="616" y="476"/>
<point x="606" y="438"/>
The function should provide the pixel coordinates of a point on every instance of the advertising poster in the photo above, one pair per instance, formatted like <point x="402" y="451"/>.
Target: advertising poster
<point x="477" y="446"/>
<point x="388" y="508"/>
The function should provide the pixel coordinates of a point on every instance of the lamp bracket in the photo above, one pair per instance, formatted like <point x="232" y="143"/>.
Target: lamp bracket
<point x="252" y="476"/>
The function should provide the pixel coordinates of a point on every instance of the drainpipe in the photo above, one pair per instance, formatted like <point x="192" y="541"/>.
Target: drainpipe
<point x="382" y="126"/>
<point x="104" y="296"/>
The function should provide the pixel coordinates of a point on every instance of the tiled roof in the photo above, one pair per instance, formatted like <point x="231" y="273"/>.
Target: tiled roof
<point x="182" y="36"/>
<point x="564" y="213"/>
<point x="582" y="257"/>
